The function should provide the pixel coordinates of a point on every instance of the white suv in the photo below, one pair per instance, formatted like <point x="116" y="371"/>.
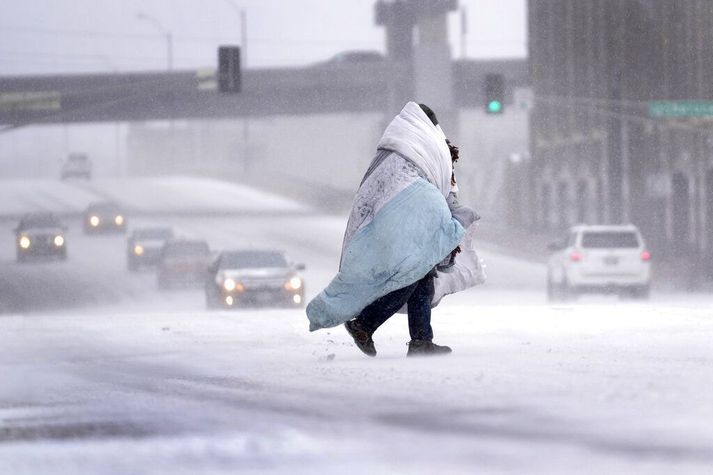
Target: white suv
<point x="599" y="259"/>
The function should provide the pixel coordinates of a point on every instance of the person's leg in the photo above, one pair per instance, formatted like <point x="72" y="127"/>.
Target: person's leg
<point x="376" y="313"/>
<point x="419" y="309"/>
<point x="419" y="321"/>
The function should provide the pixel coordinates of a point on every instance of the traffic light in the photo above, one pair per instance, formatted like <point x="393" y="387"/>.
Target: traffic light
<point x="229" y="80"/>
<point x="494" y="91"/>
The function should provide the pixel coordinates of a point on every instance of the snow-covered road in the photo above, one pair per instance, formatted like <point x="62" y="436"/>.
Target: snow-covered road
<point x="101" y="373"/>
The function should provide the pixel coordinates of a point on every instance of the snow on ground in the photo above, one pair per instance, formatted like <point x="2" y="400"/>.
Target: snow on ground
<point x="152" y="195"/>
<point x="18" y="197"/>
<point x="193" y="195"/>
<point x="599" y="387"/>
<point x="116" y="377"/>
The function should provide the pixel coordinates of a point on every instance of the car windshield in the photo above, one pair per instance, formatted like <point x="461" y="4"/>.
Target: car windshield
<point x="610" y="239"/>
<point x="251" y="260"/>
<point x="153" y="233"/>
<point x="40" y="221"/>
<point x="187" y="249"/>
<point x="104" y="208"/>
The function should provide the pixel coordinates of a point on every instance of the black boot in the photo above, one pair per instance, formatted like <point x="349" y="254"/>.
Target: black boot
<point x="362" y="338"/>
<point x="426" y="348"/>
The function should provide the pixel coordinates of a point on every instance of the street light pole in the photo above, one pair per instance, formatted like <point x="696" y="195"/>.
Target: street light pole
<point x="244" y="36"/>
<point x="169" y="60"/>
<point x="169" y="50"/>
<point x="117" y="127"/>
<point x="164" y="32"/>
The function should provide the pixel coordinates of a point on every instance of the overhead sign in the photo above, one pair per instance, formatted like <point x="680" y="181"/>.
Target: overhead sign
<point x="30" y="101"/>
<point x="682" y="109"/>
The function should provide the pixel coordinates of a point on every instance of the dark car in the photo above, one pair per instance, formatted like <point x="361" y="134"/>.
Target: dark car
<point x="182" y="262"/>
<point x="77" y="165"/>
<point x="40" y="234"/>
<point x="104" y="217"/>
<point x="253" y="278"/>
<point x="143" y="247"/>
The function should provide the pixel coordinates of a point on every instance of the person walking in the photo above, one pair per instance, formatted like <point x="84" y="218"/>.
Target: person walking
<point x="405" y="230"/>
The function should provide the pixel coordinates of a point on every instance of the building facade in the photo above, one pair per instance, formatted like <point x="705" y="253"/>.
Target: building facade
<point x="599" y="154"/>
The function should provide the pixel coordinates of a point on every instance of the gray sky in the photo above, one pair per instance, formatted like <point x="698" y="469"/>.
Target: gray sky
<point x="48" y="36"/>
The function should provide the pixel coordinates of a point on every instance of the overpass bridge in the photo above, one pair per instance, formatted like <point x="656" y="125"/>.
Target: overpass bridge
<point x="27" y="100"/>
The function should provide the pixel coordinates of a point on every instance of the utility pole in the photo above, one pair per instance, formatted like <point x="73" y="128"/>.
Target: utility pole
<point x="615" y="131"/>
<point x="242" y="14"/>
<point x="243" y="17"/>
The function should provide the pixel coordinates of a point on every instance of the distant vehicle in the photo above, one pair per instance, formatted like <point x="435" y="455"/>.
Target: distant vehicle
<point x="599" y="259"/>
<point x="40" y="234"/>
<point x="182" y="262"/>
<point x="143" y="247"/>
<point x="77" y="165"/>
<point x="104" y="217"/>
<point x="354" y="57"/>
<point x="253" y="278"/>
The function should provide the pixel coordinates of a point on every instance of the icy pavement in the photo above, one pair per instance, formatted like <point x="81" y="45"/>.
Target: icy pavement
<point x="600" y="387"/>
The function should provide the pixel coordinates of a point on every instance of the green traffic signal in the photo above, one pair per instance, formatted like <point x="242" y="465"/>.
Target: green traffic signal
<point x="495" y="107"/>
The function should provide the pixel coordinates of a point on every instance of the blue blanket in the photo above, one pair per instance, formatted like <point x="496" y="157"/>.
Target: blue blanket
<point x="407" y="237"/>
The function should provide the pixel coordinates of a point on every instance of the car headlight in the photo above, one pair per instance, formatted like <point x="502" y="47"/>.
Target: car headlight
<point x="229" y="285"/>
<point x="295" y="283"/>
<point x="138" y="249"/>
<point x="119" y="220"/>
<point x="25" y="242"/>
<point x="94" y="221"/>
<point x="59" y="240"/>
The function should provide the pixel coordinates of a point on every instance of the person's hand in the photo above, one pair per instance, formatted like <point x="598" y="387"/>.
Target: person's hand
<point x="454" y="253"/>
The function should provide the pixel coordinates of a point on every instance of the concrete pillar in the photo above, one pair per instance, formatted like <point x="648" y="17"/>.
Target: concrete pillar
<point x="432" y="69"/>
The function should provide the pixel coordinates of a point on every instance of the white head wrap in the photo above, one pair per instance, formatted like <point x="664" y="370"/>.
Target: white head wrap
<point x="413" y="135"/>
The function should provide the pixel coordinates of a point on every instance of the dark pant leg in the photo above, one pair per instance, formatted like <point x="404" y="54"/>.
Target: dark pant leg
<point x="419" y="310"/>
<point x="376" y="313"/>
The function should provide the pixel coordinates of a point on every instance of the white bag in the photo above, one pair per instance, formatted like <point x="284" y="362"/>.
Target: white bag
<point x="467" y="271"/>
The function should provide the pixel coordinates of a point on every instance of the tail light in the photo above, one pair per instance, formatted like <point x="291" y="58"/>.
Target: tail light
<point x="575" y="256"/>
<point x="646" y="256"/>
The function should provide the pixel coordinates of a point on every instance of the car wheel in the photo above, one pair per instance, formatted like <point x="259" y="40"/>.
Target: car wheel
<point x="556" y="292"/>
<point x="641" y="293"/>
<point x="551" y="291"/>
<point x="568" y="293"/>
<point x="162" y="283"/>
<point x="563" y="291"/>
<point x="211" y="302"/>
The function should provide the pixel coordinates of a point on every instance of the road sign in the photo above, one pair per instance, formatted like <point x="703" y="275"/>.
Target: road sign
<point x="681" y="109"/>
<point x="30" y="101"/>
